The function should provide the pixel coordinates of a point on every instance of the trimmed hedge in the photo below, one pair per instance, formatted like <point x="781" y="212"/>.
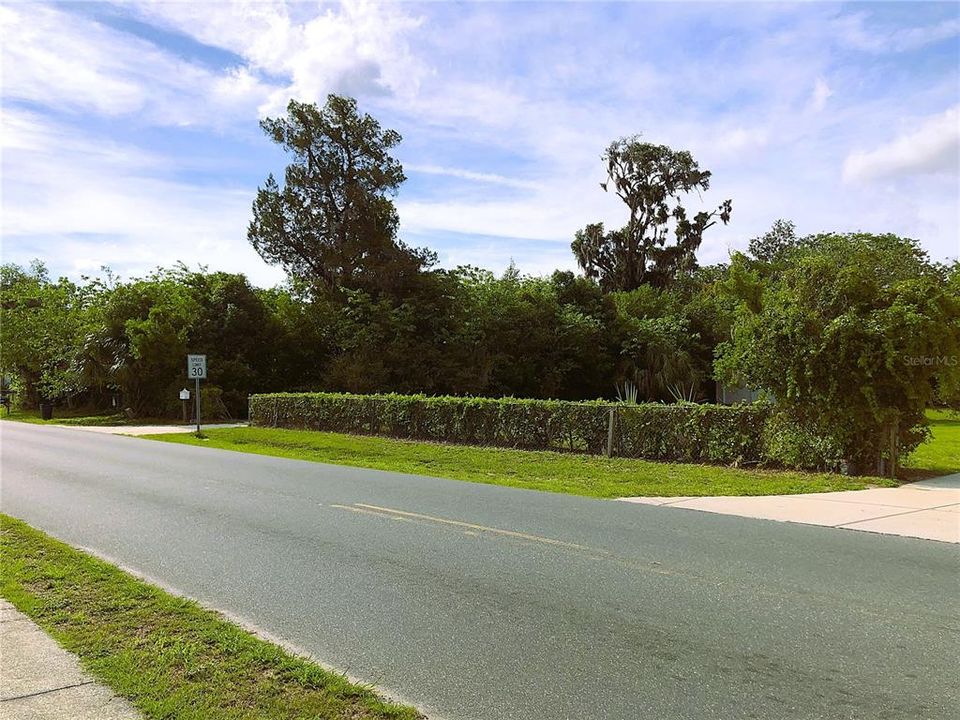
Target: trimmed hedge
<point x="687" y="432"/>
<point x="682" y="432"/>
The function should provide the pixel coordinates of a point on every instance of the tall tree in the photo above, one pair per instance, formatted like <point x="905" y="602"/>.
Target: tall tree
<point x="333" y="223"/>
<point x="651" y="180"/>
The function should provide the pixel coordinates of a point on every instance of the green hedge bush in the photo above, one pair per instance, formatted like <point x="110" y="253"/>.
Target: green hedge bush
<point x="688" y="432"/>
<point x="684" y="432"/>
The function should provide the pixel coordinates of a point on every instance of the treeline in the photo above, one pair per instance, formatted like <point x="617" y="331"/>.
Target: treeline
<point x="364" y="312"/>
<point x="467" y="332"/>
<point x="850" y="335"/>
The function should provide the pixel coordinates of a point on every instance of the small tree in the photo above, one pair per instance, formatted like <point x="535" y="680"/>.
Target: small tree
<point x="848" y="339"/>
<point x="42" y="323"/>
<point x="651" y="180"/>
<point x="333" y="223"/>
<point x="774" y="245"/>
<point x="140" y="340"/>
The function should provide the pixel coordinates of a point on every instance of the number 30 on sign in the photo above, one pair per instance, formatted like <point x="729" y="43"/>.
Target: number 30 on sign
<point x="197" y="367"/>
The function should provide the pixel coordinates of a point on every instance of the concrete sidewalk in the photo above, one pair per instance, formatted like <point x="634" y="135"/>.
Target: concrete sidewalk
<point x="929" y="510"/>
<point x="148" y="429"/>
<point x="39" y="680"/>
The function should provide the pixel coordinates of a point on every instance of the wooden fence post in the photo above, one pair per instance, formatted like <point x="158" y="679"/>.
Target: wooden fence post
<point x="894" y="448"/>
<point x="610" y="433"/>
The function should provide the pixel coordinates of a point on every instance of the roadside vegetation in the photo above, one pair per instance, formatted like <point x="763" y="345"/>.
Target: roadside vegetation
<point x="79" y="417"/>
<point x="854" y="334"/>
<point x="589" y="475"/>
<point x="168" y="655"/>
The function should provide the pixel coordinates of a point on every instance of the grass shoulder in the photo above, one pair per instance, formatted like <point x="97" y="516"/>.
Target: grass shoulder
<point x="940" y="455"/>
<point x="66" y="416"/>
<point x="167" y="655"/>
<point x="588" y="475"/>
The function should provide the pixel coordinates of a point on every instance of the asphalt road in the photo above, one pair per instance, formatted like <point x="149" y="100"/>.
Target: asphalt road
<point x="475" y="601"/>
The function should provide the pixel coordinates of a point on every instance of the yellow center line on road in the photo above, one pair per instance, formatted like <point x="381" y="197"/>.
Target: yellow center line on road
<point x="361" y="511"/>
<point x="654" y="568"/>
<point x="651" y="567"/>
<point x="636" y="564"/>
<point x="481" y="528"/>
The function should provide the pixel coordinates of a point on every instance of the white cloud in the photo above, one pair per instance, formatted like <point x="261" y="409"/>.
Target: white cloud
<point x="737" y="140"/>
<point x="481" y="177"/>
<point x="931" y="147"/>
<point x="524" y="85"/>
<point x="69" y="62"/>
<point x="853" y="30"/>
<point x="357" y="48"/>
<point x="82" y="202"/>
<point x="77" y="70"/>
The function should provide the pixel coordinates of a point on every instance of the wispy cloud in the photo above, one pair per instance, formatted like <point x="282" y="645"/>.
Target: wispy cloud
<point x="82" y="203"/>
<point x="855" y="31"/>
<point x="358" y="48"/>
<point x="480" y="177"/>
<point x="119" y="148"/>
<point x="70" y="63"/>
<point x="931" y="146"/>
<point x="821" y="93"/>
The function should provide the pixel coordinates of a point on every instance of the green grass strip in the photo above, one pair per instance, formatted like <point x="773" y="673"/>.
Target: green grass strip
<point x="169" y="656"/>
<point x="80" y="418"/>
<point x="940" y="455"/>
<point x="589" y="475"/>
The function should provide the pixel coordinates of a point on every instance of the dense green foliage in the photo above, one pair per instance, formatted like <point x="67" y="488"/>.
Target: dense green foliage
<point x="684" y="432"/>
<point x="98" y="342"/>
<point x="852" y="335"/>
<point x="41" y="324"/>
<point x="507" y="422"/>
<point x="651" y="180"/>
<point x="467" y="332"/>
<point x="333" y="224"/>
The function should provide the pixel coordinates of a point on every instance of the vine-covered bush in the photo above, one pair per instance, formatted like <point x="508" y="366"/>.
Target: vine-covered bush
<point x="793" y="443"/>
<point x="688" y="432"/>
<point x="684" y="432"/>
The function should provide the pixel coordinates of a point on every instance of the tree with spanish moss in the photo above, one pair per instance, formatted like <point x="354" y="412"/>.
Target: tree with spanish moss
<point x="652" y="181"/>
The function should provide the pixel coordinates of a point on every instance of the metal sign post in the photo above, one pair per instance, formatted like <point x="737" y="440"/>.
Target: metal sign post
<point x="197" y="369"/>
<point x="185" y="397"/>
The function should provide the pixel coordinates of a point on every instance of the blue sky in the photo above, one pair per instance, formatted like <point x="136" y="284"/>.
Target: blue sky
<point x="130" y="134"/>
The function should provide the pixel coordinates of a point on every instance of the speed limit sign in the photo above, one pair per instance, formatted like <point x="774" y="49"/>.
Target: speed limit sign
<point x="197" y="367"/>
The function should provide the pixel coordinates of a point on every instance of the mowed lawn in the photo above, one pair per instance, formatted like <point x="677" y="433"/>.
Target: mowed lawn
<point x="941" y="454"/>
<point x="588" y="475"/>
<point x="66" y="416"/>
<point x="167" y="655"/>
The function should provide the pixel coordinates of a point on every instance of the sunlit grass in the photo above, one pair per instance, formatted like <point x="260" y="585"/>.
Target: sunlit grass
<point x="170" y="657"/>
<point x="590" y="475"/>
<point x="940" y="455"/>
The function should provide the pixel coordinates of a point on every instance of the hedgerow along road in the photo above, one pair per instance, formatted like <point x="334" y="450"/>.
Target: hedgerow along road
<point x="485" y="602"/>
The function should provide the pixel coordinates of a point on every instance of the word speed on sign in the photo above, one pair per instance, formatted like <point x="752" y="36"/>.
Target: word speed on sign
<point x="197" y="367"/>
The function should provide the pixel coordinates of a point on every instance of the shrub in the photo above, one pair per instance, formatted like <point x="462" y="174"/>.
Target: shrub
<point x="790" y="442"/>
<point x="851" y="334"/>
<point x="689" y="432"/>
<point x="684" y="432"/>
